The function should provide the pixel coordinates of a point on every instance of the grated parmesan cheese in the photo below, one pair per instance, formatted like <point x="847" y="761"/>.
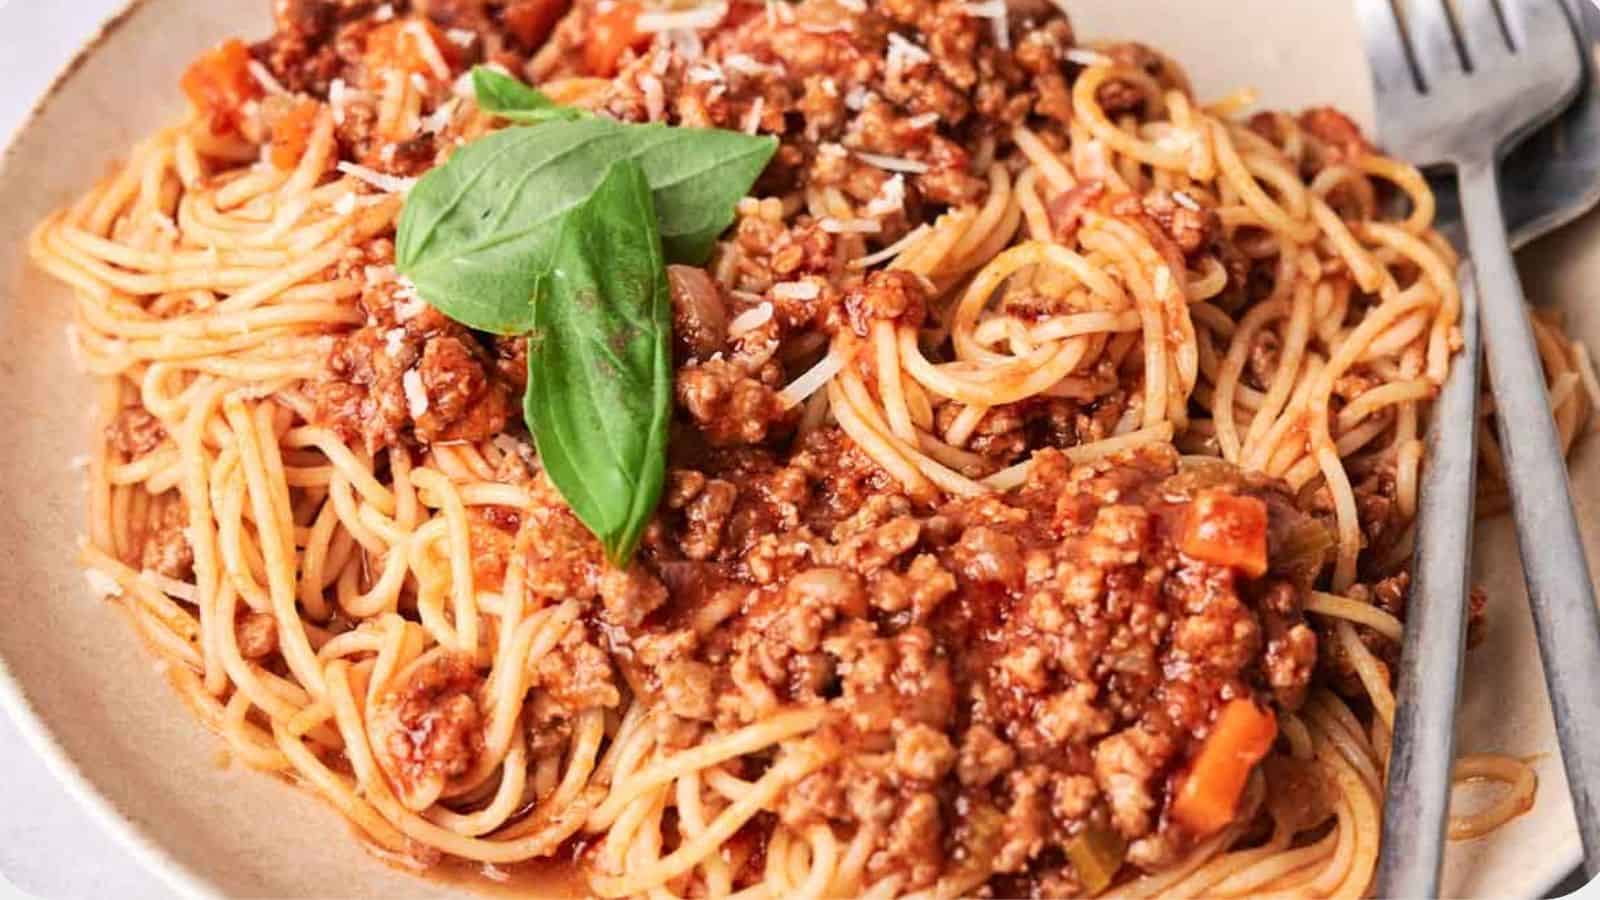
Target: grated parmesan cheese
<point x="384" y="13"/>
<point x="439" y="119"/>
<point x="849" y="226"/>
<point x="410" y="303"/>
<point x="796" y="290"/>
<point x="345" y="205"/>
<point x="263" y="77"/>
<point x="1184" y="200"/>
<point x="750" y="320"/>
<point x="779" y="11"/>
<point x="394" y="342"/>
<point x="416" y="393"/>
<point x="1086" y="57"/>
<point x="893" y="163"/>
<point x="103" y="585"/>
<point x="926" y="120"/>
<point x="855" y="6"/>
<point x="430" y="50"/>
<point x="745" y="64"/>
<point x="655" y="98"/>
<point x="903" y="54"/>
<point x="669" y="20"/>
<point x="995" y="12"/>
<point x="704" y="73"/>
<point x="686" y="43"/>
<point x="891" y="197"/>
<point x="387" y="183"/>
<point x="461" y="37"/>
<point x="858" y="98"/>
<point x="752" y="117"/>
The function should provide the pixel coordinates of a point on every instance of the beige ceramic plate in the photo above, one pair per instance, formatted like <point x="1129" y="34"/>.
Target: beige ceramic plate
<point x="89" y="695"/>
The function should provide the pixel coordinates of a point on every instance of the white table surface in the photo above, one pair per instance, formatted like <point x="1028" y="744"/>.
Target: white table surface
<point x="48" y="846"/>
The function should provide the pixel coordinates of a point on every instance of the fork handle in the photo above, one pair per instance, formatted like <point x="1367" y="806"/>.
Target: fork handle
<point x="1560" y="591"/>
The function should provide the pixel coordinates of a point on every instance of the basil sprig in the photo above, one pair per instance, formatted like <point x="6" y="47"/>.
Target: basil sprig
<point x="562" y="230"/>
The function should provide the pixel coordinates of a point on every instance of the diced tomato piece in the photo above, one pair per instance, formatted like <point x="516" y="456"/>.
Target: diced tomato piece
<point x="219" y="84"/>
<point x="611" y="33"/>
<point x="1226" y="529"/>
<point x="291" y="132"/>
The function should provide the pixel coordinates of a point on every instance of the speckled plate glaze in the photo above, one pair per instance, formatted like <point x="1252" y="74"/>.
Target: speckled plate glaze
<point x="74" y="676"/>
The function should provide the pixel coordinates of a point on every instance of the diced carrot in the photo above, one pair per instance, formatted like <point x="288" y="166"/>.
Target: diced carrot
<point x="219" y="84"/>
<point x="610" y="34"/>
<point x="414" y="46"/>
<point x="1226" y="529"/>
<point x="1208" y="796"/>
<point x="291" y="132"/>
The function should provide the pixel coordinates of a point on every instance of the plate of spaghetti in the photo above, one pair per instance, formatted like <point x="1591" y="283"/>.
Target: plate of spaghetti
<point x="821" y="448"/>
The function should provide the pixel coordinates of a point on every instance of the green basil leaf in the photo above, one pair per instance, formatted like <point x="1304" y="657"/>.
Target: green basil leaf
<point x="475" y="230"/>
<point x="600" y="362"/>
<point x="509" y="98"/>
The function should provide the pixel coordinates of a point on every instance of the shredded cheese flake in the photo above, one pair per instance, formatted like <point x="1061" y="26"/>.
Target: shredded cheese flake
<point x="416" y="393"/>
<point x="384" y="13"/>
<point x="461" y="37"/>
<point x="1185" y="201"/>
<point x="410" y="303"/>
<point x="430" y="51"/>
<point x="1086" y="57"/>
<point x="903" y="54"/>
<point x="750" y="320"/>
<point x="796" y="290"/>
<point x="394" y="342"/>
<point x="383" y="181"/>
<point x="263" y="77"/>
<point x="891" y="197"/>
<point x="752" y="117"/>
<point x="995" y="12"/>
<point x="745" y="64"/>
<point x="655" y="97"/>
<point x="668" y="20"/>
<point x="893" y="163"/>
<point x="849" y="226"/>
<point x="439" y="119"/>
<point x="345" y="205"/>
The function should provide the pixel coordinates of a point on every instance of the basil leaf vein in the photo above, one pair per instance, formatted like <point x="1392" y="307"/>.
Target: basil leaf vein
<point x="599" y="361"/>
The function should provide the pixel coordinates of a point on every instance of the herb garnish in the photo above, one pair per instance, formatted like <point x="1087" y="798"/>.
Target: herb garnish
<point x="562" y="229"/>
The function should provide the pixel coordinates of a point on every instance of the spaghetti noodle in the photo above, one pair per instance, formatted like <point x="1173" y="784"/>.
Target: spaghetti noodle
<point x="976" y="308"/>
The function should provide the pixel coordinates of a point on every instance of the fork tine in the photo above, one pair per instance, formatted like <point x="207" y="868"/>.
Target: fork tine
<point x="1387" y="55"/>
<point x="1433" y="40"/>
<point x="1481" y="31"/>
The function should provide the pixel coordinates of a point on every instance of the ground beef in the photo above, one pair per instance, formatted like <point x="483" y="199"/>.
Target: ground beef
<point x="431" y="726"/>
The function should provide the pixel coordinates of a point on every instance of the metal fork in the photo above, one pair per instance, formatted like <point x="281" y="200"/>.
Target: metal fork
<point x="1461" y="94"/>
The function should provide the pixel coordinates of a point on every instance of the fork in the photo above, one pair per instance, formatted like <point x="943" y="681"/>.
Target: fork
<point x="1461" y="93"/>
